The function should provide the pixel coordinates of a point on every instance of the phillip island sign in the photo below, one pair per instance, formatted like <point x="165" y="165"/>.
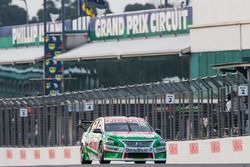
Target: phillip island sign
<point x="145" y="23"/>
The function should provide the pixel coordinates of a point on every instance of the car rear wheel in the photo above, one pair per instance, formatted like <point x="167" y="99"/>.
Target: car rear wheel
<point x="101" y="155"/>
<point x="83" y="161"/>
<point x="140" y="162"/>
<point x="160" y="162"/>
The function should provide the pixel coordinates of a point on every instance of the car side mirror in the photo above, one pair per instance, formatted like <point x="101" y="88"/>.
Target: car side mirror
<point x="97" y="130"/>
<point x="158" y="131"/>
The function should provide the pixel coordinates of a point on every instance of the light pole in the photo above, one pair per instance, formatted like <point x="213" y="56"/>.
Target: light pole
<point x="27" y="11"/>
<point x="166" y="3"/>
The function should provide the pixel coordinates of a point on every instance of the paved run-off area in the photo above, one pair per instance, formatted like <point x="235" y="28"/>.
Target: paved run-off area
<point x="156" y="165"/>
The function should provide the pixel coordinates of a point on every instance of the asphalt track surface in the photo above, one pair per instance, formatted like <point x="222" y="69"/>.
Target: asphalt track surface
<point x="156" y="165"/>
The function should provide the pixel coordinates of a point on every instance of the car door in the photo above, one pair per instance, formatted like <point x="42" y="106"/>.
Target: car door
<point x="85" y="136"/>
<point x="90" y="139"/>
<point x="93" y="139"/>
<point x="97" y="137"/>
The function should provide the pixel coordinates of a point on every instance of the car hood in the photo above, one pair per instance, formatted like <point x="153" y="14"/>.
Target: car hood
<point x="133" y="135"/>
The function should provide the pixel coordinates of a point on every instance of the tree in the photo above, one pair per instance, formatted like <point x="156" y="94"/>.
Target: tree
<point x="5" y="3"/>
<point x="51" y="8"/>
<point x="108" y="10"/>
<point x="137" y="6"/>
<point x="71" y="9"/>
<point x="11" y="14"/>
<point x="33" y="20"/>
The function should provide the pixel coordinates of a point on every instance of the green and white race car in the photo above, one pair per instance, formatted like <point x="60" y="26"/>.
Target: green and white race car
<point x="122" y="139"/>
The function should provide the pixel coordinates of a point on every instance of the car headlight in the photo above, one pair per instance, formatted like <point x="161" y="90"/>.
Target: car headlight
<point x="110" y="142"/>
<point x="162" y="142"/>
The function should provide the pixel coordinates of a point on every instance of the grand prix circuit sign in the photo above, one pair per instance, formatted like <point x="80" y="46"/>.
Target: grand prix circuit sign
<point x="167" y="21"/>
<point x="139" y="24"/>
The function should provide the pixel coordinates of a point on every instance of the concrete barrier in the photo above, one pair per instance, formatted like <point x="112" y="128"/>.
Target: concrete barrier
<point x="234" y="150"/>
<point x="39" y="156"/>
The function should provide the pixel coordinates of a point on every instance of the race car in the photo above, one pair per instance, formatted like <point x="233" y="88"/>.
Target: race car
<point x="122" y="139"/>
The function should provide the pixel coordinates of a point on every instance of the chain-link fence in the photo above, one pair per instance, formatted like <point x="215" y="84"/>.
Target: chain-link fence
<point x="193" y="109"/>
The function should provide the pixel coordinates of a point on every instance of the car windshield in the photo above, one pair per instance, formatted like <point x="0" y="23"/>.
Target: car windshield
<point x="128" y="127"/>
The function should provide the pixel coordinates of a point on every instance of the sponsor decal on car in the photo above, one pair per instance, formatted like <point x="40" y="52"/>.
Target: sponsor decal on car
<point x="121" y="120"/>
<point x="138" y="150"/>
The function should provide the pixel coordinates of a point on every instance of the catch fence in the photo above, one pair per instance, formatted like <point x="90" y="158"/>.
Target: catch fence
<point x="183" y="110"/>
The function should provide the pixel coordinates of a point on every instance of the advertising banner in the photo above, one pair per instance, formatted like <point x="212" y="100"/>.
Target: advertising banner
<point x="139" y="24"/>
<point x="166" y="21"/>
<point x="28" y="35"/>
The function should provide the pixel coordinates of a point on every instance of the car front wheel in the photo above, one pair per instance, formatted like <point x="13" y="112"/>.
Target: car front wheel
<point x="101" y="155"/>
<point x="160" y="162"/>
<point x="83" y="159"/>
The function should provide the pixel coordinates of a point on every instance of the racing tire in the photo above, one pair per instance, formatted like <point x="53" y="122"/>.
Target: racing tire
<point x="140" y="162"/>
<point x="160" y="162"/>
<point x="101" y="155"/>
<point x="83" y="161"/>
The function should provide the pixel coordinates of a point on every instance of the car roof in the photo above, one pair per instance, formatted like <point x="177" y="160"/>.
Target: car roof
<point x="122" y="118"/>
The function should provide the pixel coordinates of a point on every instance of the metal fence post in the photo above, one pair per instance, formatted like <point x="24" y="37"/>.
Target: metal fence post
<point x="6" y="128"/>
<point x="153" y="111"/>
<point x="1" y="124"/>
<point x="248" y="100"/>
<point x="13" y="127"/>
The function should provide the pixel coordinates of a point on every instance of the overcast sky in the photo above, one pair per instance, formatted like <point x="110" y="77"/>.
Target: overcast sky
<point x="117" y="6"/>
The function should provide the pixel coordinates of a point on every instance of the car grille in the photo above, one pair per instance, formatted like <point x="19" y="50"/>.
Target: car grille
<point x="138" y="143"/>
<point x="139" y="155"/>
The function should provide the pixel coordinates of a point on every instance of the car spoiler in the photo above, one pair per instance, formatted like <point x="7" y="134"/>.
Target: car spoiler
<point x="86" y="122"/>
<point x="82" y="124"/>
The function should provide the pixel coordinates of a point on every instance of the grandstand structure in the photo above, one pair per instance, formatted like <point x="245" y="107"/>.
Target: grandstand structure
<point x="129" y="48"/>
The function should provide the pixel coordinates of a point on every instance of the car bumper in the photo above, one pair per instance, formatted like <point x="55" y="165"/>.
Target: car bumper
<point x="132" y="160"/>
<point x="124" y="154"/>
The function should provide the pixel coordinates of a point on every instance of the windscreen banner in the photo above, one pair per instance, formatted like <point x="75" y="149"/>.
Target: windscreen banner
<point x="167" y="21"/>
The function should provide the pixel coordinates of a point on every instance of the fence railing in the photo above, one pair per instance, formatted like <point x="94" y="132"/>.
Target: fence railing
<point x="184" y="110"/>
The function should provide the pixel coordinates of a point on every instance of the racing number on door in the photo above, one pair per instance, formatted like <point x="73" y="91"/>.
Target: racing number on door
<point x="94" y="138"/>
<point x="89" y="137"/>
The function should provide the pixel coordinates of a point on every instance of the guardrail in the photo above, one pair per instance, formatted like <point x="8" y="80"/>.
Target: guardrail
<point x="184" y="110"/>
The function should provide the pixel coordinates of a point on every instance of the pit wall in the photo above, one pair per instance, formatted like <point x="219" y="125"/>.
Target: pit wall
<point x="217" y="151"/>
